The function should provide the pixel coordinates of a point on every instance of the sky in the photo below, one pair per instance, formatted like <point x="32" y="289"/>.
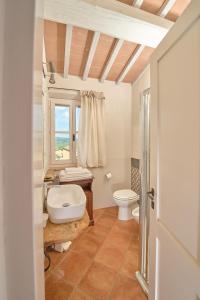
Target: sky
<point x="62" y="118"/>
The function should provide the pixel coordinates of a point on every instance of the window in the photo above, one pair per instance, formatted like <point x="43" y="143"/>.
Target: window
<point x="64" y="131"/>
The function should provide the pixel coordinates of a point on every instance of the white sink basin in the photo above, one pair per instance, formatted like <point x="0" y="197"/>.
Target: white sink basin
<point x="65" y="203"/>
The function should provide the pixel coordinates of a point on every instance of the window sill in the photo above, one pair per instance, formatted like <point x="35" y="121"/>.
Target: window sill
<point x="61" y="167"/>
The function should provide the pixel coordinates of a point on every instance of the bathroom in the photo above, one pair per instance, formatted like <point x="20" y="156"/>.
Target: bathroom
<point x="119" y="172"/>
<point x="114" y="227"/>
<point x="74" y="61"/>
<point x="119" y="163"/>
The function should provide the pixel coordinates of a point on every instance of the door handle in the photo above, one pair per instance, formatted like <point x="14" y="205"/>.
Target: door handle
<point x="151" y="195"/>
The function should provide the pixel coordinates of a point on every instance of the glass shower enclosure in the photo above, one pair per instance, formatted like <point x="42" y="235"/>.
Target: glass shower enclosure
<point x="144" y="203"/>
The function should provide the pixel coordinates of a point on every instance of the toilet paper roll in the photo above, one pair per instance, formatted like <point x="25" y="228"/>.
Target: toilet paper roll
<point x="109" y="175"/>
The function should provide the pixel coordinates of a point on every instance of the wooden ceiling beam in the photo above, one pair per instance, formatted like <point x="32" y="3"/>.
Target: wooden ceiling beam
<point x="165" y="8"/>
<point x="116" y="49"/>
<point x="137" y="3"/>
<point x="68" y="41"/>
<point x="132" y="60"/>
<point x="110" y="17"/>
<point x="91" y="53"/>
<point x="108" y="66"/>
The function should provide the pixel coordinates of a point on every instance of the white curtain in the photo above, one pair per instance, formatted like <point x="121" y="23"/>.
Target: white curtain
<point x="91" y="139"/>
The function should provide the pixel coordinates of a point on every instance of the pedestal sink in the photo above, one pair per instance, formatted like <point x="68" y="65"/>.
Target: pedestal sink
<point x="65" y="203"/>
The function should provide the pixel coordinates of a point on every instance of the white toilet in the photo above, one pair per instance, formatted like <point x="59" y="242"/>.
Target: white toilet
<point x="125" y="199"/>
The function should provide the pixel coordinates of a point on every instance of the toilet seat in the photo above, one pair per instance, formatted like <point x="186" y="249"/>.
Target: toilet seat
<point x="125" y="195"/>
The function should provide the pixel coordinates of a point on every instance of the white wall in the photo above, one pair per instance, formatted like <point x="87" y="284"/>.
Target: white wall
<point x="141" y="84"/>
<point x="20" y="229"/>
<point x="118" y="136"/>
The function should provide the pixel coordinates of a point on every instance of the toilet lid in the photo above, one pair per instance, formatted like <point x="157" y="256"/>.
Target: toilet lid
<point x="125" y="194"/>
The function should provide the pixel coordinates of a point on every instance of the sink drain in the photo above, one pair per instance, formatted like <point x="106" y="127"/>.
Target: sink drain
<point x="66" y="204"/>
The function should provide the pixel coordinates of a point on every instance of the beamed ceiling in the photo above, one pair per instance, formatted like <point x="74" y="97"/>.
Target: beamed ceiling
<point x="75" y="58"/>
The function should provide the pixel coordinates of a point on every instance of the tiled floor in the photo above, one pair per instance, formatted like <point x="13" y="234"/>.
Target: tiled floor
<point x="100" y="264"/>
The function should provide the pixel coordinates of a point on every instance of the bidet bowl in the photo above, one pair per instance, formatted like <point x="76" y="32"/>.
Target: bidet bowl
<point x="136" y="214"/>
<point x="65" y="203"/>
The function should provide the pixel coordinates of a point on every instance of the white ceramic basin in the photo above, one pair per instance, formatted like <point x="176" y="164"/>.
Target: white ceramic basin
<point x="65" y="203"/>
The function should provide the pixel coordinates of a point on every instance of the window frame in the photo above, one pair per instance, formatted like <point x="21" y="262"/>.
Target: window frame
<point x="72" y="104"/>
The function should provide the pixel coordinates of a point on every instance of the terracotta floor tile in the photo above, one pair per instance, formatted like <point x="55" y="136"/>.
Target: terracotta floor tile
<point x="126" y="289"/>
<point x="130" y="264"/>
<point x="77" y="294"/>
<point x="113" y="211"/>
<point x="57" y="289"/>
<point x="89" y="243"/>
<point x="73" y="267"/>
<point x="135" y="244"/>
<point x="110" y="256"/>
<point x="98" y="281"/>
<point x="100" y="264"/>
<point x="56" y="258"/>
<point x="98" y="229"/>
<point x="122" y="231"/>
<point x="76" y="241"/>
<point x="97" y="213"/>
<point x="120" y="239"/>
<point x="106" y="220"/>
<point x="129" y="226"/>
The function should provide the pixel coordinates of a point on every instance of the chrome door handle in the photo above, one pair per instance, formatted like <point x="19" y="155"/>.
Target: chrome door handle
<point x="151" y="193"/>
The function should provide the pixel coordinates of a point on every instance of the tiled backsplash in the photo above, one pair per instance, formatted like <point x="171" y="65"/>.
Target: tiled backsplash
<point x="135" y="176"/>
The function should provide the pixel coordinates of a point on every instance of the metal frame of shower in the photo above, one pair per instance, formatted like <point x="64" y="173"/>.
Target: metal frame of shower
<point x="142" y="275"/>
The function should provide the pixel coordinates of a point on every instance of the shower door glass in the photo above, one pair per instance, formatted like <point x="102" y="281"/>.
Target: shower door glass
<point x="142" y="274"/>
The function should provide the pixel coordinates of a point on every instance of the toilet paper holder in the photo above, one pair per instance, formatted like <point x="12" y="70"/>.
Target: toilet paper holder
<point x="108" y="175"/>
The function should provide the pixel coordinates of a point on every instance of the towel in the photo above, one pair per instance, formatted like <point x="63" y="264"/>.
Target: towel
<point x="78" y="170"/>
<point x="64" y="176"/>
<point x="74" y="170"/>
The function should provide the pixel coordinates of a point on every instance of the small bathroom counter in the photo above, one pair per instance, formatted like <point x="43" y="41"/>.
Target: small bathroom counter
<point x="60" y="233"/>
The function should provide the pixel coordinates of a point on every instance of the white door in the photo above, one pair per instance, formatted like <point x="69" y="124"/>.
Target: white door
<point x="175" y="162"/>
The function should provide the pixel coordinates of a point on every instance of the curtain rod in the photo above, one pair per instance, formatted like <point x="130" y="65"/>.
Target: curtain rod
<point x="57" y="88"/>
